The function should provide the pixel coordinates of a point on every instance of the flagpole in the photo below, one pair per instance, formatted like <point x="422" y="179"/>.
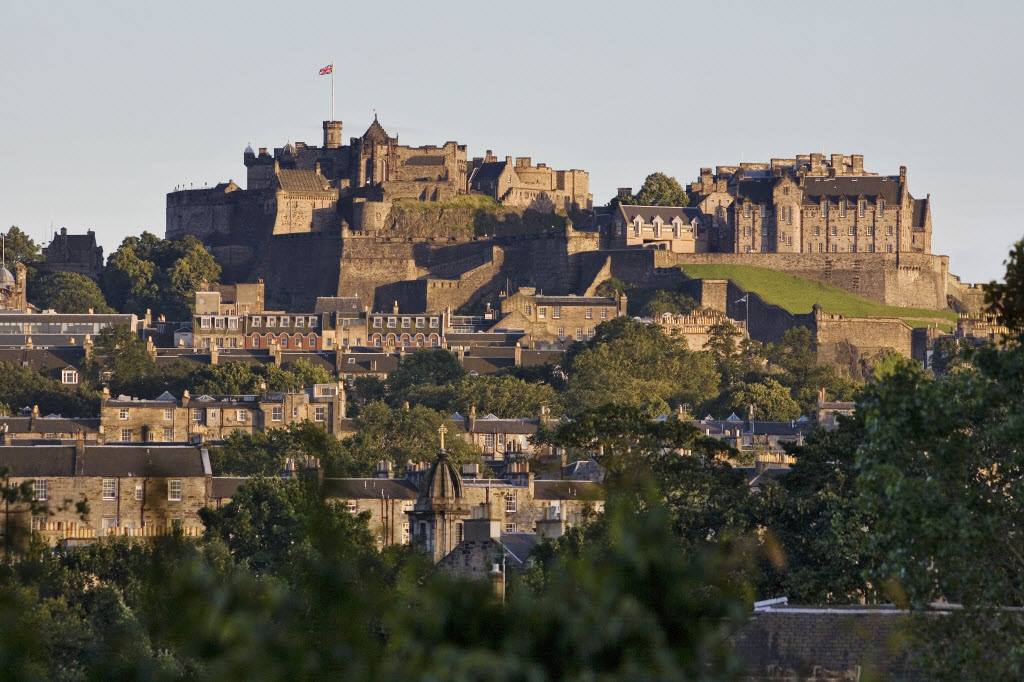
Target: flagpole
<point x="332" y="88"/>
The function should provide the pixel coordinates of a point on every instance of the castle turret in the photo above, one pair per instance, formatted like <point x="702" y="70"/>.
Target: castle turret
<point x="332" y="134"/>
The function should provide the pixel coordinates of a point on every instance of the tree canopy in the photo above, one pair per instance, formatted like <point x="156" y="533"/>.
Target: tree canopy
<point x="19" y="247"/>
<point x="66" y="292"/>
<point x="661" y="190"/>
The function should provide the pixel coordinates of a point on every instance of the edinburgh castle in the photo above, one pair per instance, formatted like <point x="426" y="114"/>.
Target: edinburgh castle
<point x="430" y="228"/>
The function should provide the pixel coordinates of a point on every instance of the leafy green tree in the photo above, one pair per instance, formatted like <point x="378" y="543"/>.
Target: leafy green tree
<point x="158" y="274"/>
<point x="23" y="387"/>
<point x="664" y="301"/>
<point x="770" y="399"/>
<point x="19" y="247"/>
<point x="119" y="352"/>
<point x="1006" y="299"/>
<point x="661" y="190"/>
<point x="612" y="287"/>
<point x="426" y="377"/>
<point x="631" y="363"/>
<point x="66" y="292"/>
<point x="505" y="396"/>
<point x="402" y="435"/>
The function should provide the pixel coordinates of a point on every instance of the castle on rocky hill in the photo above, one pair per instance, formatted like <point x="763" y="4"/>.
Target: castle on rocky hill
<point x="428" y="229"/>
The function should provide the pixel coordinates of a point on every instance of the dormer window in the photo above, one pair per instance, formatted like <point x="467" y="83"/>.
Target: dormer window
<point x="880" y="206"/>
<point x="657" y="226"/>
<point x="638" y="225"/>
<point x="861" y="208"/>
<point x="824" y="209"/>
<point x="842" y="208"/>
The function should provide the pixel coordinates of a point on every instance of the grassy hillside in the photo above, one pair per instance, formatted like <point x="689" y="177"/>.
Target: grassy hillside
<point x="798" y="295"/>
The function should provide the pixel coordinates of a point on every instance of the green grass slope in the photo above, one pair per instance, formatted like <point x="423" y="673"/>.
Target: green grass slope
<point x="798" y="295"/>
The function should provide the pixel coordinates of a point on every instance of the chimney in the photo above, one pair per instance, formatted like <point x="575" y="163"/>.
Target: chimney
<point x="79" y="446"/>
<point x="518" y="355"/>
<point x="472" y="418"/>
<point x="837" y="163"/>
<point x="394" y="308"/>
<point x="384" y="469"/>
<point x="87" y="346"/>
<point x="857" y="162"/>
<point x="498" y="582"/>
<point x="214" y="354"/>
<point x="185" y="398"/>
<point x="484" y="523"/>
<point x="552" y="526"/>
<point x="508" y="160"/>
<point x="150" y="347"/>
<point x="3" y="433"/>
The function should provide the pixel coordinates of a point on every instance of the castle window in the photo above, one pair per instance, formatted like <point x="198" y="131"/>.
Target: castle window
<point x="139" y="491"/>
<point x="510" y="503"/>
<point x="835" y="247"/>
<point x="888" y="248"/>
<point x="746" y="231"/>
<point x="821" y="247"/>
<point x="589" y="314"/>
<point x="842" y="208"/>
<point x="785" y="191"/>
<point x="888" y="230"/>
<point x="40" y="490"/>
<point x="851" y="231"/>
<point x="561" y="332"/>
<point x="834" y="230"/>
<point x="871" y="248"/>
<point x="789" y="215"/>
<point x="853" y="248"/>
<point x="817" y="231"/>
<point x="746" y="210"/>
<point x="529" y="309"/>
<point x="861" y="208"/>
<point x="880" y="206"/>
<point x="604" y="313"/>
<point x="824" y="209"/>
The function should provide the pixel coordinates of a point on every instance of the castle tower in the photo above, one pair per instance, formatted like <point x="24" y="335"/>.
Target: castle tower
<point x="332" y="134"/>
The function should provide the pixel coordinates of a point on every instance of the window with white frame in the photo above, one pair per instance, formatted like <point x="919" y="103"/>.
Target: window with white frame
<point x="421" y="322"/>
<point x="312" y="322"/>
<point x="320" y="413"/>
<point x="589" y="313"/>
<point x="197" y="415"/>
<point x="126" y="435"/>
<point x="242" y="416"/>
<point x="204" y="323"/>
<point x="511" y="528"/>
<point x="271" y="321"/>
<point x="218" y="323"/>
<point x="277" y="413"/>
<point x="69" y="376"/>
<point x="556" y="312"/>
<point x="434" y="323"/>
<point x="168" y="414"/>
<point x="108" y="524"/>
<point x="232" y="323"/>
<point x="122" y="414"/>
<point x="300" y="322"/>
<point x="511" y="505"/>
<point x="257" y="321"/>
<point x="489" y="442"/>
<point x="168" y="434"/>
<point x="392" y="322"/>
<point x="542" y="312"/>
<point x="174" y="490"/>
<point x="604" y="313"/>
<point x="351" y="506"/>
<point x="40" y="490"/>
<point x="406" y="538"/>
<point x="109" y="488"/>
<point x="139" y="492"/>
<point x="579" y="333"/>
<point x="378" y="322"/>
<point x="286" y="321"/>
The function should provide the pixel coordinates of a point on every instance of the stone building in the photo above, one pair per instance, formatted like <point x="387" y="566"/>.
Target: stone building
<point x="343" y="322"/>
<point x="167" y="419"/>
<point x="524" y="185"/>
<point x="34" y="427"/>
<point x="407" y="330"/>
<point x="73" y="253"/>
<point x="673" y="228"/>
<point x="302" y="189"/>
<point x="220" y="312"/>
<point x="13" y="287"/>
<point x="556" y="320"/>
<point x="696" y="327"/>
<point x="130" y="490"/>
<point x="53" y="330"/>
<point x="810" y="204"/>
<point x="502" y="439"/>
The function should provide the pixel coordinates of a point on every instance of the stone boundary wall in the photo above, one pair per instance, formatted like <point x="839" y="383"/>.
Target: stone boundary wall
<point x="907" y="279"/>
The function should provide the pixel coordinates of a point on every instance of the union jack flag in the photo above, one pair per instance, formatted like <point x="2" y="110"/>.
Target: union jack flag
<point x="329" y="69"/>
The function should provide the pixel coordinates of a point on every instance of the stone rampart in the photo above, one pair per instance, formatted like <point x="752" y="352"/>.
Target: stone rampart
<point x="906" y="279"/>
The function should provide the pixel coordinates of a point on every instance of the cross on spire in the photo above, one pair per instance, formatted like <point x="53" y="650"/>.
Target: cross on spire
<point x="441" y="430"/>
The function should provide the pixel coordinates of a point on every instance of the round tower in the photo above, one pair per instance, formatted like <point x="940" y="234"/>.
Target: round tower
<point x="332" y="134"/>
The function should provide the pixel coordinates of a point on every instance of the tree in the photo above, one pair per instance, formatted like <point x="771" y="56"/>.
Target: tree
<point x="158" y="274"/>
<point x="505" y="396"/>
<point x="1005" y="299"/>
<point x="661" y="190"/>
<point x="426" y="377"/>
<point x="19" y="247"/>
<point x="770" y="400"/>
<point x="400" y="435"/>
<point x="119" y="351"/>
<point x="613" y="287"/>
<point x="67" y="292"/>
<point x="22" y="387"/>
<point x="664" y="301"/>
<point x="631" y="363"/>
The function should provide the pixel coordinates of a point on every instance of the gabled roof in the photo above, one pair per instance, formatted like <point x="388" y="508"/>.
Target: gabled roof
<point x="104" y="460"/>
<point x="486" y="175"/>
<point x="370" y="489"/>
<point x="852" y="187"/>
<point x="337" y="304"/>
<point x="667" y="213"/>
<point x="376" y="133"/>
<point x="300" y="181"/>
<point x="568" y="490"/>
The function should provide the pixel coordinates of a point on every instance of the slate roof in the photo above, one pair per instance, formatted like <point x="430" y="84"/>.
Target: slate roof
<point x="292" y="180"/>
<point x="376" y="133"/>
<point x="574" y="300"/>
<point x="757" y="190"/>
<point x="492" y="424"/>
<point x="667" y="213"/>
<point x="225" y="487"/>
<point x="872" y="186"/>
<point x="567" y="490"/>
<point x="42" y="359"/>
<point x="50" y="425"/>
<point x="370" y="489"/>
<point x="104" y="460"/>
<point x="519" y="545"/>
<point x="345" y="305"/>
<point x="486" y="175"/>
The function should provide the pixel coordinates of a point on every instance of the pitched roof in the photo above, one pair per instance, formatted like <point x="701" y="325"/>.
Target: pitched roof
<point x="376" y="133"/>
<point x="370" y="488"/>
<point x="568" y="490"/>
<point x="872" y="186"/>
<point x="104" y="460"/>
<point x="757" y="190"/>
<point x="337" y="304"/>
<point x="649" y="213"/>
<point x="50" y="425"/>
<point x="486" y="175"/>
<point x="302" y="181"/>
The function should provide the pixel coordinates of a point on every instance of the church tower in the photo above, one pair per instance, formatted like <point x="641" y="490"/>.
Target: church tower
<point x="441" y="508"/>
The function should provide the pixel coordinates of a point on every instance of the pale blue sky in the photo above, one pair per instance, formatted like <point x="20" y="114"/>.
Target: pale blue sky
<point x="105" y="109"/>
